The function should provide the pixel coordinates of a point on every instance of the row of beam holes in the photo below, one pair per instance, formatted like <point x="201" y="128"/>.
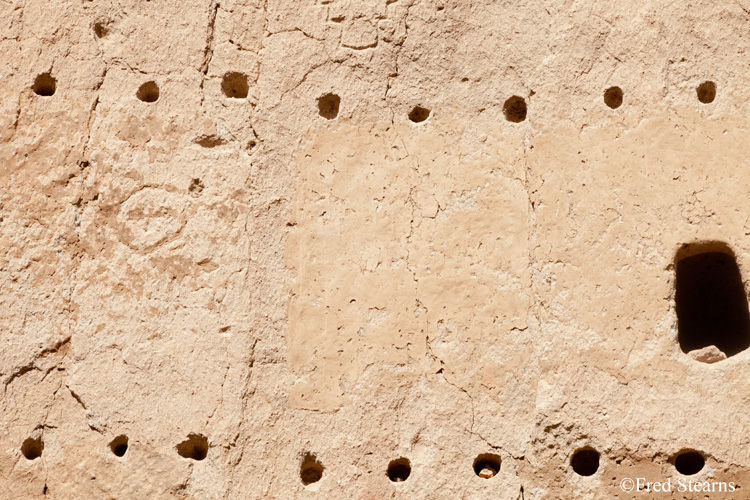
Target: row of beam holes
<point x="234" y="85"/>
<point x="585" y="462"/>
<point x="706" y="91"/>
<point x="486" y="466"/>
<point x="514" y="109"/>
<point x="194" y="447"/>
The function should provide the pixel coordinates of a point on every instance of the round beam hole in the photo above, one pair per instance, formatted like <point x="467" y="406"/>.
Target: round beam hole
<point x="399" y="470"/>
<point x="119" y="445"/>
<point x="613" y="97"/>
<point x="689" y="462"/>
<point x="585" y="462"/>
<point x="32" y="448"/>
<point x="706" y="92"/>
<point x="487" y="465"/>
<point x="148" y="92"/>
<point x="515" y="109"/>
<point x="418" y="114"/>
<point x="44" y="85"/>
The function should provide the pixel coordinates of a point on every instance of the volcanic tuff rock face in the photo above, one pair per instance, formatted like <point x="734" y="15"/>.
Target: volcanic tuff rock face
<point x="371" y="249"/>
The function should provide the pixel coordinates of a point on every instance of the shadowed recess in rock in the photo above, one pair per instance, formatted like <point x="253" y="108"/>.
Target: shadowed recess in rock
<point x="328" y="106"/>
<point x="515" y="109"/>
<point x="101" y="29"/>
<point x="148" y="92"/>
<point x="44" y="85"/>
<point x="399" y="470"/>
<point x="706" y="92"/>
<point x="194" y="447"/>
<point x="310" y="470"/>
<point x="234" y="85"/>
<point x="487" y="465"/>
<point x="689" y="462"/>
<point x="419" y="114"/>
<point x="613" y="97"/>
<point x="585" y="462"/>
<point x="710" y="300"/>
<point x="32" y="448"/>
<point x="119" y="445"/>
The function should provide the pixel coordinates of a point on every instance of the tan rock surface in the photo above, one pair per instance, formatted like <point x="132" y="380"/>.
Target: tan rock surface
<point x="253" y="290"/>
<point x="710" y="354"/>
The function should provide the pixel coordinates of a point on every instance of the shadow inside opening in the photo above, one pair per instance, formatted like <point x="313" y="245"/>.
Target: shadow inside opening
<point x="711" y="304"/>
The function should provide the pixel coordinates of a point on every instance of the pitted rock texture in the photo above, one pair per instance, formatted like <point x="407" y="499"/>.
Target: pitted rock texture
<point x="366" y="249"/>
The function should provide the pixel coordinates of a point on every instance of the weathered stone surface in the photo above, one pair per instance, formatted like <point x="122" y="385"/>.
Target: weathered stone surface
<point x="267" y="296"/>
<point x="710" y="354"/>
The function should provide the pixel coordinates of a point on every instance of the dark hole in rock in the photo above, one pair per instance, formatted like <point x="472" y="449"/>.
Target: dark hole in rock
<point x="32" y="448"/>
<point x="613" y="97"/>
<point x="194" y="447"/>
<point x="101" y="29"/>
<point x="328" y="106"/>
<point x="487" y="465"/>
<point x="234" y="85"/>
<point x="119" y="445"/>
<point x="44" y="85"/>
<point x="515" y="109"/>
<point x="690" y="462"/>
<point x="310" y="470"/>
<point x="706" y="92"/>
<point x="419" y="114"/>
<point x="585" y="462"/>
<point x="710" y="300"/>
<point x="148" y="92"/>
<point x="399" y="470"/>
